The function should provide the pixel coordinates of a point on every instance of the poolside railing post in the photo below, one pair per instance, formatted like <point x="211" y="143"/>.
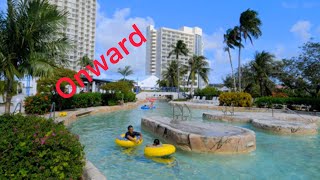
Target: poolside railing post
<point x="173" y="111"/>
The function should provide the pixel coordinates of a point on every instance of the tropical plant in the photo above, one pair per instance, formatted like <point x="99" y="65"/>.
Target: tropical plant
<point x="237" y="99"/>
<point x="122" y="86"/>
<point x="30" y="42"/>
<point x="232" y="40"/>
<point x="126" y="71"/>
<point x="84" y="61"/>
<point x="198" y="65"/>
<point x="258" y="75"/>
<point x="249" y="28"/>
<point x="34" y="147"/>
<point x="162" y="83"/>
<point x="262" y="67"/>
<point x="46" y="84"/>
<point x="170" y="74"/>
<point x="180" y="49"/>
<point x="302" y="74"/>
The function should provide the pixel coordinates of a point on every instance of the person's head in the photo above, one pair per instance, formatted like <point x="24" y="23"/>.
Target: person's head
<point x="156" y="142"/>
<point x="130" y="129"/>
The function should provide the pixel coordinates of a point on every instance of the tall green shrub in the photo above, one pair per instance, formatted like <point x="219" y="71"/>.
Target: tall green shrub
<point x="38" y="104"/>
<point x="208" y="92"/>
<point x="32" y="147"/>
<point x="238" y="99"/>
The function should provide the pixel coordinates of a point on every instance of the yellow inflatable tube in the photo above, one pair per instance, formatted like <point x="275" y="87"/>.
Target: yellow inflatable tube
<point x="122" y="141"/>
<point x="162" y="160"/>
<point x="159" y="151"/>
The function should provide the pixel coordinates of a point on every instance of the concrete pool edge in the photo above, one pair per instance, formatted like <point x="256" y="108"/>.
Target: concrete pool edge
<point x="243" y="141"/>
<point x="73" y="116"/>
<point x="283" y="124"/>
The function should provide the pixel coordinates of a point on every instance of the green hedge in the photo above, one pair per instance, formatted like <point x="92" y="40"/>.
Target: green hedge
<point x="38" y="104"/>
<point x="289" y="101"/>
<point x="86" y="100"/>
<point x="35" y="148"/>
<point x="208" y="92"/>
<point x="238" y="99"/>
<point x="41" y="103"/>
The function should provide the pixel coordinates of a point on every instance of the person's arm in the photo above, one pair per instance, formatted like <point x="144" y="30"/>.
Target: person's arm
<point x="130" y="138"/>
<point x="140" y="134"/>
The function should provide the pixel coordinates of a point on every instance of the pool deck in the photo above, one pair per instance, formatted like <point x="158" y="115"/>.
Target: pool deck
<point x="281" y="123"/>
<point x="200" y="137"/>
<point x="73" y="115"/>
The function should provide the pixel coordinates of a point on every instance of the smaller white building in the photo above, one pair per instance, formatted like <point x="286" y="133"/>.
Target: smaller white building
<point x="149" y="84"/>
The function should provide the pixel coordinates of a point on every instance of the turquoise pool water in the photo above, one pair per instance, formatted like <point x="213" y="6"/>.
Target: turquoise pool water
<point x="276" y="157"/>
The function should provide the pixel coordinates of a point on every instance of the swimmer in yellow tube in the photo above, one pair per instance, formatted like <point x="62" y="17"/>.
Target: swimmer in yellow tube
<point x="156" y="143"/>
<point x="130" y="135"/>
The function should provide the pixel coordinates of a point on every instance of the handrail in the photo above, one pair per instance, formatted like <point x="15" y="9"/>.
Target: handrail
<point x="296" y="113"/>
<point x="190" y="114"/>
<point x="19" y="103"/>
<point x="181" y="108"/>
<point x="53" y="110"/>
<point x="224" y="110"/>
<point x="232" y="110"/>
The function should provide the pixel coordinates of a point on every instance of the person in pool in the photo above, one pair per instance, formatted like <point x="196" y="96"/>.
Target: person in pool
<point x="156" y="143"/>
<point x="130" y="135"/>
<point x="151" y="105"/>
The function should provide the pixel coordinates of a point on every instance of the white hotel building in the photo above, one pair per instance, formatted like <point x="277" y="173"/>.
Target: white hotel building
<point x="158" y="48"/>
<point x="80" y="29"/>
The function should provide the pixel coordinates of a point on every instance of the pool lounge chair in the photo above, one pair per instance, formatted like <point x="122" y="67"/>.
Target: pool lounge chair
<point x="203" y="100"/>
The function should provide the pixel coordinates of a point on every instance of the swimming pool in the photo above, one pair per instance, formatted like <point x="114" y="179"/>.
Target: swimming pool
<point x="276" y="157"/>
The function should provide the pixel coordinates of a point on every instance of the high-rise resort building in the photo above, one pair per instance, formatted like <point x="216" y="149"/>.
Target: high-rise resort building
<point x="80" y="28"/>
<point x="159" y="45"/>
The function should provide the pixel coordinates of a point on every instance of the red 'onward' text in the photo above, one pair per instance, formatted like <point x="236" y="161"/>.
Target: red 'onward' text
<point x="115" y="56"/>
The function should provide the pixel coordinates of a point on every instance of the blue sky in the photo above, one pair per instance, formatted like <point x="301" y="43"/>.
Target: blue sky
<point x="286" y="25"/>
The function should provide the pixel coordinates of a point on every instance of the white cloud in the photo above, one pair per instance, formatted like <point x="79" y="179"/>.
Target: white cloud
<point x="111" y="30"/>
<point x="302" y="30"/>
<point x="213" y="44"/>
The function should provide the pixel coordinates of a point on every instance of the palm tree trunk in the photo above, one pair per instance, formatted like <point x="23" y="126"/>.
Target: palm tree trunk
<point x="232" y="74"/>
<point x="192" y="83"/>
<point x="177" y="57"/>
<point x="8" y="97"/>
<point x="261" y="86"/>
<point x="198" y="81"/>
<point x="239" y="66"/>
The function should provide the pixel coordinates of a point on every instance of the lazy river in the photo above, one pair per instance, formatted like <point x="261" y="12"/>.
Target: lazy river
<point x="276" y="156"/>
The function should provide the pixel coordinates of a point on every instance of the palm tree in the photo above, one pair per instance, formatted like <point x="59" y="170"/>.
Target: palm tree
<point x="179" y="49"/>
<point x="170" y="74"/>
<point x="30" y="42"/>
<point x="232" y="40"/>
<point x="84" y="61"/>
<point x="126" y="71"/>
<point x="198" y="65"/>
<point x="262" y="68"/>
<point x="249" y="28"/>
